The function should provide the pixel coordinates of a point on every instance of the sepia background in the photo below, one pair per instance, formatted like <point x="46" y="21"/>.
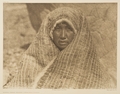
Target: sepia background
<point x="21" y="22"/>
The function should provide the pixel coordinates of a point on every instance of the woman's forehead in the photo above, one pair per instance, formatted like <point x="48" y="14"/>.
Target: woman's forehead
<point x="63" y="23"/>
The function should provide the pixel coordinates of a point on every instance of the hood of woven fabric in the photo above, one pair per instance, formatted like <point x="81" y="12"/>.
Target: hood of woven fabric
<point x="77" y="66"/>
<point x="60" y="21"/>
<point x="43" y="45"/>
<point x="42" y="50"/>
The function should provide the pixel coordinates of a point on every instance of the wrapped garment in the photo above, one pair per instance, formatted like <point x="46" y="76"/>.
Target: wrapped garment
<point x="77" y="66"/>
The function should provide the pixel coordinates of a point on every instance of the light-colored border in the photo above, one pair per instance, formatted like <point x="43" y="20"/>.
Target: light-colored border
<point x="70" y="91"/>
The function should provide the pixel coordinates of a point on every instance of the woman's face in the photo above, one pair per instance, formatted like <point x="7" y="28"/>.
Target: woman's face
<point x="63" y="34"/>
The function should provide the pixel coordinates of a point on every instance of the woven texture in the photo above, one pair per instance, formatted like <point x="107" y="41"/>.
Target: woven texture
<point x="77" y="66"/>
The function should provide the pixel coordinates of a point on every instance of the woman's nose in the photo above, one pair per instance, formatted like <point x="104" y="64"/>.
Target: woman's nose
<point x="63" y="33"/>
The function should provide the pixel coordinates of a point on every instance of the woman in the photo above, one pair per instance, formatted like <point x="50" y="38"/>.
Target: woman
<point x="62" y="55"/>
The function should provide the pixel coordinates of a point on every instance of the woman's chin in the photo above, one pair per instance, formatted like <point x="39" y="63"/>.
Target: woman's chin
<point x="61" y="47"/>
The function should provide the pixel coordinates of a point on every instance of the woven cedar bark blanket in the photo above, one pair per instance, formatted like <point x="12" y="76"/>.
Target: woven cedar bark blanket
<point x="77" y="66"/>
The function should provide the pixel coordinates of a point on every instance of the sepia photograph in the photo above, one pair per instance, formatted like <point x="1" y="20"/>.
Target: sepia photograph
<point x="60" y="45"/>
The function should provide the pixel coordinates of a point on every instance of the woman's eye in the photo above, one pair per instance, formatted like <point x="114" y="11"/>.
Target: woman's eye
<point x="69" y="30"/>
<point x="57" y="27"/>
<point x="57" y="30"/>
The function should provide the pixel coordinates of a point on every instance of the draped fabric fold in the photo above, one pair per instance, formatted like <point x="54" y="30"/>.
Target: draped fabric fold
<point x="76" y="66"/>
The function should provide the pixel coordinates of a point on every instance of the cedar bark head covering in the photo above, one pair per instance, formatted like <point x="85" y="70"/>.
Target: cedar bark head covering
<point x="76" y="66"/>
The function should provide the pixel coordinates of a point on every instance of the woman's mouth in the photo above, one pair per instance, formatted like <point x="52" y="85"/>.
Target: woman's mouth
<point x="63" y="42"/>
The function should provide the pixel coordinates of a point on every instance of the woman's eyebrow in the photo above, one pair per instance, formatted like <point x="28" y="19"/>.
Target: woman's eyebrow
<point x="69" y="26"/>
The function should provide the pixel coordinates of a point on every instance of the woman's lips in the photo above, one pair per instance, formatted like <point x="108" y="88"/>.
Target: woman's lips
<point x="63" y="42"/>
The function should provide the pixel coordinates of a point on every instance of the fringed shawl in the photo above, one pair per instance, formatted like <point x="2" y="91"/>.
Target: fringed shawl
<point x="76" y="66"/>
